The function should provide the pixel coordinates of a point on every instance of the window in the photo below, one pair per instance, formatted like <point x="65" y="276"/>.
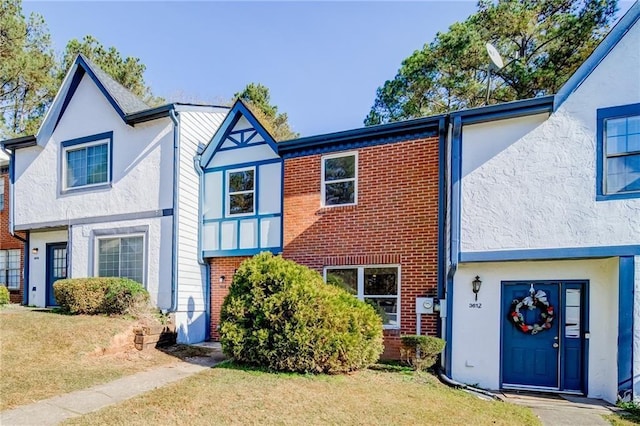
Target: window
<point x="86" y="161"/>
<point x="1" y="193"/>
<point x="240" y="192"/>
<point x="376" y="285"/>
<point x="619" y="152"/>
<point x="10" y="269"/>
<point x="121" y="257"/>
<point x="340" y="179"/>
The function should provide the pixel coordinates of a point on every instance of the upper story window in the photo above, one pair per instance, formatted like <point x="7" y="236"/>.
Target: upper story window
<point x="340" y="179"/>
<point x="241" y="191"/>
<point x="86" y="162"/>
<point x="619" y="152"/>
<point x="377" y="285"/>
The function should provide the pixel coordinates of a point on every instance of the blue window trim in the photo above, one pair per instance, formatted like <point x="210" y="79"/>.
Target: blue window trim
<point x="64" y="145"/>
<point x="240" y="252"/>
<point x="602" y="115"/>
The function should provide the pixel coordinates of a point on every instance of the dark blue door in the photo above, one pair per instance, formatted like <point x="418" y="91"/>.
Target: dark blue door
<point x="56" y="268"/>
<point x="530" y="359"/>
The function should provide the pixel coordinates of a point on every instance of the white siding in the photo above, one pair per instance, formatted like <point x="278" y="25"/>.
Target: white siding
<point x="195" y="128"/>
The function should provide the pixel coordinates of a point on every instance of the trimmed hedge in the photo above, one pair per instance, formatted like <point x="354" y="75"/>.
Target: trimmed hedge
<point x="4" y="295"/>
<point x="282" y="316"/>
<point x="420" y="352"/>
<point x="110" y="295"/>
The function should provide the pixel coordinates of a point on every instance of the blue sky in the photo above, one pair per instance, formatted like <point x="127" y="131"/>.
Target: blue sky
<point x="322" y="61"/>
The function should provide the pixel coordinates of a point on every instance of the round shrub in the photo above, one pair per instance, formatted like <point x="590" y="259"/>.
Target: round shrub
<point x="103" y="295"/>
<point x="282" y="316"/>
<point x="4" y="295"/>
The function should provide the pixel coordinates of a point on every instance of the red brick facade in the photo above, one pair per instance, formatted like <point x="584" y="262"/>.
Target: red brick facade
<point x="395" y="221"/>
<point x="7" y="241"/>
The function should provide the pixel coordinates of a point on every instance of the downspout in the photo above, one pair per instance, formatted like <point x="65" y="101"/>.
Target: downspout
<point x="25" y="274"/>
<point x="207" y="267"/>
<point x="174" y="234"/>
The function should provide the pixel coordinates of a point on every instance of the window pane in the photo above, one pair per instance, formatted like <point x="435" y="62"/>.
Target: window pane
<point x="339" y="193"/>
<point x="97" y="164"/>
<point x="76" y="168"/>
<point x="131" y="258"/>
<point x="1" y="192"/>
<point x="380" y="281"/>
<point x="616" y="144"/>
<point x="387" y="308"/>
<point x="623" y="174"/>
<point x="616" y="126"/>
<point x="344" y="278"/>
<point x="108" y="257"/>
<point x="3" y="259"/>
<point x="340" y="168"/>
<point x="241" y="203"/>
<point x="241" y="181"/>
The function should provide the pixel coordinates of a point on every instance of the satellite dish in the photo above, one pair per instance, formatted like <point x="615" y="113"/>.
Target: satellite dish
<point x="495" y="57"/>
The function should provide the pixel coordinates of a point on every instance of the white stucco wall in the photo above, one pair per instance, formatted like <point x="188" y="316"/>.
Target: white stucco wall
<point x="158" y="233"/>
<point x="476" y="332"/>
<point x="142" y="166"/>
<point x="38" y="264"/>
<point x="537" y="189"/>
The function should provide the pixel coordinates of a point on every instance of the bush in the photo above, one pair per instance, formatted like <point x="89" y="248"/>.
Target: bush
<point x="4" y="295"/>
<point x="100" y="295"/>
<point x="282" y="316"/>
<point x="420" y="352"/>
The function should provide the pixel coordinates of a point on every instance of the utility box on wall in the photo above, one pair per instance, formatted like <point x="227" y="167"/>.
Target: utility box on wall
<point x="424" y="305"/>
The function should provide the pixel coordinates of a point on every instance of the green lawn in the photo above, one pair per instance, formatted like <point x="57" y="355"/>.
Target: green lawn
<point x="229" y="395"/>
<point x="43" y="354"/>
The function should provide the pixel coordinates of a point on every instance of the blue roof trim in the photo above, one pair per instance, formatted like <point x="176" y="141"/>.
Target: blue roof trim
<point x="239" y="109"/>
<point x="366" y="136"/>
<point x="506" y="110"/>
<point x="21" y="142"/>
<point x="610" y="41"/>
<point x="550" y="253"/>
<point x="240" y="252"/>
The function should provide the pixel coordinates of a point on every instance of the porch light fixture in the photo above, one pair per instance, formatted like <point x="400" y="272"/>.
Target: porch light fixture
<point x="34" y="250"/>
<point x="222" y="278"/>
<point x="476" y="286"/>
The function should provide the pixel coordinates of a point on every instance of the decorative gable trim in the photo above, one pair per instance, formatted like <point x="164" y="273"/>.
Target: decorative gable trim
<point x="110" y="89"/>
<point x="226" y="138"/>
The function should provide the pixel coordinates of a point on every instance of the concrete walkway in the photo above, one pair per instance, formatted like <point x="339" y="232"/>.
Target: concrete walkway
<point x="59" y="408"/>
<point x="561" y="410"/>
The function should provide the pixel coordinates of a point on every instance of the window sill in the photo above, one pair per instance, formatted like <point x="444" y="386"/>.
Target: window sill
<point x="81" y="189"/>
<point x="337" y="208"/>
<point x="623" y="196"/>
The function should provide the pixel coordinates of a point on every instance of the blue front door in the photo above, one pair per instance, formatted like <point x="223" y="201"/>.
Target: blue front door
<point x="56" y="268"/>
<point x="551" y="357"/>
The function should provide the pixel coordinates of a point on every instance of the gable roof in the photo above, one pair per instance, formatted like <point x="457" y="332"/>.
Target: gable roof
<point x="606" y="45"/>
<point x="121" y="99"/>
<point x="238" y="110"/>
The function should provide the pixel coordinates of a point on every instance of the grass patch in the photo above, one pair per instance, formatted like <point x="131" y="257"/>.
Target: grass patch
<point x="231" y="394"/>
<point x="44" y="353"/>
<point x="631" y="415"/>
